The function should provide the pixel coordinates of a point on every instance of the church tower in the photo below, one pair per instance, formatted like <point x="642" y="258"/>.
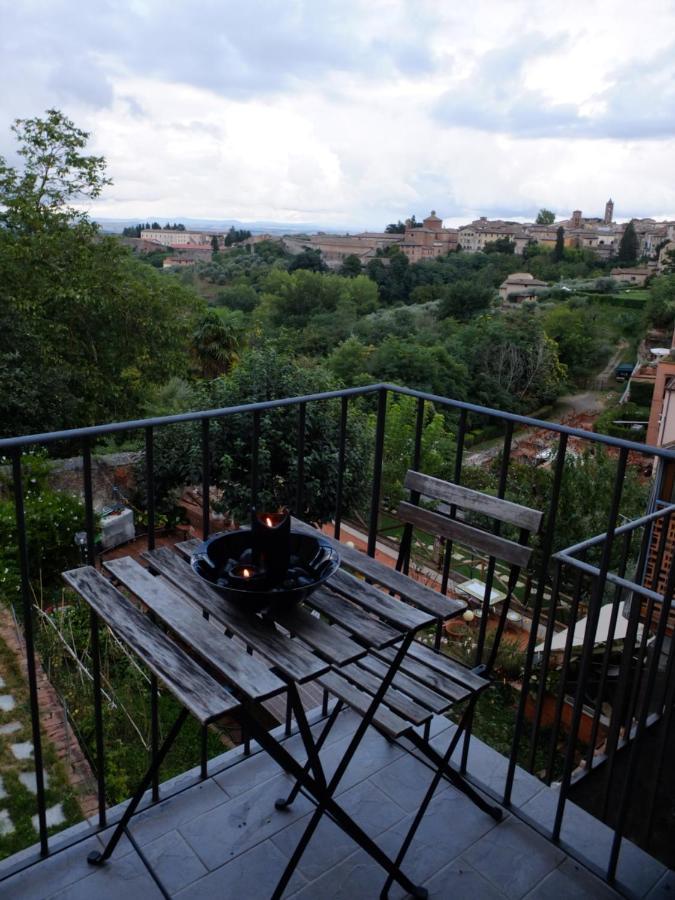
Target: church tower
<point x="609" y="211"/>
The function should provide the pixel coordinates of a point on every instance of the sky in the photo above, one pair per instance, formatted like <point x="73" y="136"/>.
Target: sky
<point x="356" y="113"/>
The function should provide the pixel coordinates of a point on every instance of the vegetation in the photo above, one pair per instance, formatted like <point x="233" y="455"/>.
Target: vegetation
<point x="84" y="327"/>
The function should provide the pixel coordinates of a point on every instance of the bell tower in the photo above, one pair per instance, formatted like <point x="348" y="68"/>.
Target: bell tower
<point x="609" y="211"/>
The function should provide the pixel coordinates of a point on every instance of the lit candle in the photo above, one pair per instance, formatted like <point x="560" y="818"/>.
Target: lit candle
<point x="272" y="543"/>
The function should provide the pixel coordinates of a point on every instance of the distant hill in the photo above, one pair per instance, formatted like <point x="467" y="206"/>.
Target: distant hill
<point x="115" y="226"/>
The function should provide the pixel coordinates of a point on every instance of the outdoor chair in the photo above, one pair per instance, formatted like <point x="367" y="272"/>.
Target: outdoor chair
<point x="429" y="682"/>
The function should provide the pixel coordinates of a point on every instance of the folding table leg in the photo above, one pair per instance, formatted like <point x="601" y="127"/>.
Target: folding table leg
<point x="284" y="802"/>
<point x="96" y="857"/>
<point x="442" y="769"/>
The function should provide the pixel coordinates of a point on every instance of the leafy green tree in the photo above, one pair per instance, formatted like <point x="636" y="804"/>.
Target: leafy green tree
<point x="438" y="445"/>
<point x="628" y="246"/>
<point x="559" y="249"/>
<point x="464" y="300"/>
<point x="215" y="345"/>
<point x="55" y="174"/>
<point x="395" y="228"/>
<point x="240" y="296"/>
<point x="236" y="236"/>
<point x="351" y="266"/>
<point x="88" y="328"/>
<point x="264" y="374"/>
<point x="545" y="217"/>
<point x="660" y="305"/>
<point x="350" y="362"/>
<point x="501" y="245"/>
<point x="309" y="259"/>
<point x="214" y="243"/>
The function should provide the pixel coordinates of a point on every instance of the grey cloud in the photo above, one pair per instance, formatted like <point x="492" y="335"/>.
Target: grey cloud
<point x="639" y="104"/>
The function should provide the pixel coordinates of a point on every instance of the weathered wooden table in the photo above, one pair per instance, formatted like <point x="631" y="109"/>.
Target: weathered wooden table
<point x="353" y="639"/>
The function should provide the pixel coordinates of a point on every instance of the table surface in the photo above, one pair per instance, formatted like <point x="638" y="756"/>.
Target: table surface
<point x="299" y="646"/>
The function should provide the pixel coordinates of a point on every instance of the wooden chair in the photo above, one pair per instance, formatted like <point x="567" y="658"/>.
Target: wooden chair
<point x="430" y="682"/>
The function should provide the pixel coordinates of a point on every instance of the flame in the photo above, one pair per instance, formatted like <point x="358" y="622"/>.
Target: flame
<point x="269" y="522"/>
<point x="246" y="573"/>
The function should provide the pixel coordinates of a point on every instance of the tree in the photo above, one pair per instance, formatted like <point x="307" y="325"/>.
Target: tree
<point x="85" y="328"/>
<point x="559" y="249"/>
<point x="501" y="245"/>
<point x="395" y="228"/>
<point x="214" y="243"/>
<point x="545" y="217"/>
<point x="265" y="374"/>
<point x="215" y="345"/>
<point x="55" y="174"/>
<point x="308" y="259"/>
<point x="628" y="246"/>
<point x="464" y="300"/>
<point x="351" y="266"/>
<point x="668" y="262"/>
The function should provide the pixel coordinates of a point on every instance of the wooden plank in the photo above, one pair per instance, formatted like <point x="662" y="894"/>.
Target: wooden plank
<point x="446" y="666"/>
<point x="503" y="510"/>
<point x="394" y="699"/>
<point x="331" y="642"/>
<point x="334" y="645"/>
<point x="394" y="611"/>
<point x="247" y="673"/>
<point x="432" y="678"/>
<point x="188" y="548"/>
<point x="482" y="541"/>
<point x="437" y="703"/>
<point x="353" y="618"/>
<point x="413" y="591"/>
<point x="194" y="688"/>
<point x="386" y="720"/>
<point x="287" y="656"/>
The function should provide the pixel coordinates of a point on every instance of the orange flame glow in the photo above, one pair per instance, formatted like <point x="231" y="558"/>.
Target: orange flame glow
<point x="246" y="573"/>
<point x="269" y="522"/>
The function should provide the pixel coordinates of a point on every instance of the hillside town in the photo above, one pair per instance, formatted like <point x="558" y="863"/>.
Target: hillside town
<point x="430" y="239"/>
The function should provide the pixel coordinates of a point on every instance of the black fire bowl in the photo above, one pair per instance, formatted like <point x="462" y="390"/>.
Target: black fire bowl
<point x="312" y="561"/>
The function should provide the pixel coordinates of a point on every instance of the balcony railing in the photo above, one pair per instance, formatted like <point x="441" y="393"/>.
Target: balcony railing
<point x="610" y="570"/>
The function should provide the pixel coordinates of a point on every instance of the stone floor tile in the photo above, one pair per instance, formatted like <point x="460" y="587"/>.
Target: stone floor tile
<point x="636" y="871"/>
<point x="121" y="879"/>
<point x="570" y="881"/>
<point x="664" y="889"/>
<point x="22" y="750"/>
<point x="29" y="780"/>
<point x="247" y="773"/>
<point x="7" y="702"/>
<point x="252" y="875"/>
<point x="51" y="875"/>
<point x="170" y="814"/>
<point x="406" y="781"/>
<point x="513" y="858"/>
<point x="239" y="824"/>
<point x="6" y="824"/>
<point x="356" y="878"/>
<point x="173" y="861"/>
<point x="54" y="815"/>
<point x="369" y="807"/>
<point x="489" y="768"/>
<point x="11" y="728"/>
<point x="450" y="826"/>
<point x="461" y="881"/>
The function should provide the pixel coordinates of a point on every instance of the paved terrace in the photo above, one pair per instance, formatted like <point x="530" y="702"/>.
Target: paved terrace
<point x="222" y="838"/>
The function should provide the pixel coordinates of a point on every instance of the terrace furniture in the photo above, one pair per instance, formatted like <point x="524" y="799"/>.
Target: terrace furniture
<point x="428" y="669"/>
<point x="212" y="675"/>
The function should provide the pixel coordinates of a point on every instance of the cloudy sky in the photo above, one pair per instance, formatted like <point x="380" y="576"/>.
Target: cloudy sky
<point x="354" y="113"/>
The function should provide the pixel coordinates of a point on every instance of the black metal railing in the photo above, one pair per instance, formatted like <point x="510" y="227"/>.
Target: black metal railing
<point x="572" y="575"/>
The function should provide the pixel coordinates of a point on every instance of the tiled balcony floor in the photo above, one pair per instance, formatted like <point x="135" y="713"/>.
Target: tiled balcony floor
<point x="223" y="838"/>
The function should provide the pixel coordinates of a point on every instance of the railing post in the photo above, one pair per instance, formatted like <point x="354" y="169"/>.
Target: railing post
<point x="95" y="642"/>
<point x="342" y="445"/>
<point x="206" y="481"/>
<point x="150" y="484"/>
<point x="377" y="470"/>
<point x="589" y="636"/>
<point x="27" y="607"/>
<point x="300" y="477"/>
<point x="255" y="448"/>
<point x="547" y="549"/>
